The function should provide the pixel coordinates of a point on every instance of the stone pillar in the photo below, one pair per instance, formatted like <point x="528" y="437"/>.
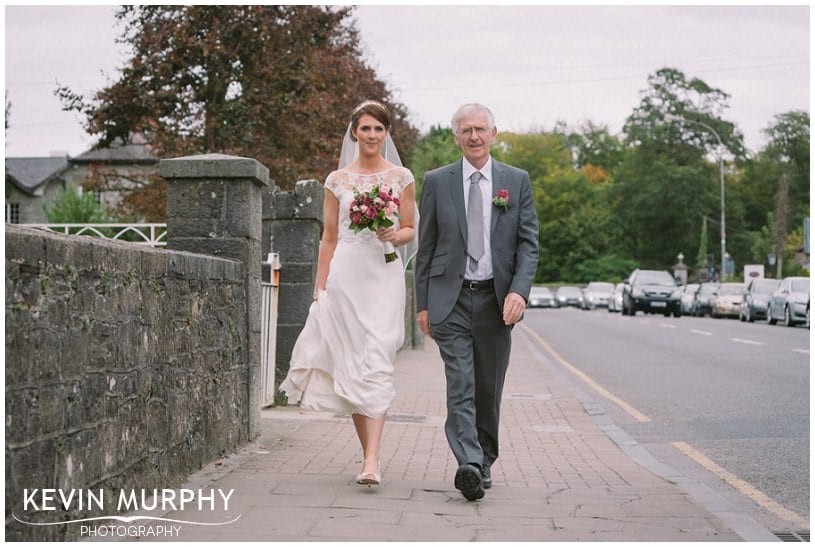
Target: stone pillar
<point x="292" y="227"/>
<point x="214" y="207"/>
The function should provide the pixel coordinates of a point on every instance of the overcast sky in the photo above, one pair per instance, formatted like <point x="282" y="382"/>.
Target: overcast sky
<point x="533" y="65"/>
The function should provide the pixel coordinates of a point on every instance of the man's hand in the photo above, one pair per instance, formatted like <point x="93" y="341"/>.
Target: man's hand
<point x="424" y="322"/>
<point x="514" y="306"/>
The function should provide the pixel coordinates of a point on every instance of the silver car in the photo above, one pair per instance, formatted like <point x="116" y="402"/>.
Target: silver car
<point x="689" y="297"/>
<point x="790" y="302"/>
<point x="615" y="301"/>
<point x="596" y="295"/>
<point x="728" y="300"/>
<point x="754" y="303"/>
<point x="541" y="297"/>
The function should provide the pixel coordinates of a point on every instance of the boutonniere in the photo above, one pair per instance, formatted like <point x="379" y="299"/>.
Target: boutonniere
<point x="501" y="199"/>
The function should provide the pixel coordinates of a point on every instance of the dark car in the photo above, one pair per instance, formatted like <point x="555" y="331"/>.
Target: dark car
<point x="755" y="300"/>
<point x="651" y="291"/>
<point x="790" y="302"/>
<point x="541" y="297"/>
<point x="705" y="296"/>
<point x="568" y="296"/>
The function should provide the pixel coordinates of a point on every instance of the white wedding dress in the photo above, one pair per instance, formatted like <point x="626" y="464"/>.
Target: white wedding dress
<point x="343" y="359"/>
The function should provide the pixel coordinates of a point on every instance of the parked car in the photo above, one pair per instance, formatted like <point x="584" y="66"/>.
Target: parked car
<point x="703" y="303"/>
<point x="728" y="300"/>
<point x="596" y="295"/>
<point x="688" y="297"/>
<point x="651" y="291"/>
<point x="615" y="301"/>
<point x="755" y="300"/>
<point x="541" y="297"/>
<point x="568" y="296"/>
<point x="790" y="302"/>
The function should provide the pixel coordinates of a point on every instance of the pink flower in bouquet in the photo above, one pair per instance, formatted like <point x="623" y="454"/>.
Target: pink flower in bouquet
<point x="372" y="209"/>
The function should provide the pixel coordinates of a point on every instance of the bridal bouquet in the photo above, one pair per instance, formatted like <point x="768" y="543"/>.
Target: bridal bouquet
<point x="373" y="209"/>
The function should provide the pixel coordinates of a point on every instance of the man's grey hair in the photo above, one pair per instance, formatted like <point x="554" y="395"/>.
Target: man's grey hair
<point x="470" y="109"/>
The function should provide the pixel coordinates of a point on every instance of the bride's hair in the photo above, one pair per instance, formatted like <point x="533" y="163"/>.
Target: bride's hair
<point x="372" y="108"/>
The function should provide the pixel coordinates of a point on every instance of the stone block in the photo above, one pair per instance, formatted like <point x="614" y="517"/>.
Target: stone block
<point x="214" y="166"/>
<point x="243" y="210"/>
<point x="296" y="240"/>
<point x="303" y="273"/>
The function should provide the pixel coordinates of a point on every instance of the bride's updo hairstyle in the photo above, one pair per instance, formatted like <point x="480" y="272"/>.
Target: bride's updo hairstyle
<point x="374" y="109"/>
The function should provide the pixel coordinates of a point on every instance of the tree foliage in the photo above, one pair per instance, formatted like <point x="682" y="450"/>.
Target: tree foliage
<point x="433" y="150"/>
<point x="275" y="83"/>
<point x="593" y="144"/>
<point x="73" y="206"/>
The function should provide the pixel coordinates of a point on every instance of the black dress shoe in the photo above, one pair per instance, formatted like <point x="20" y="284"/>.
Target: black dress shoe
<point x="468" y="480"/>
<point x="486" y="477"/>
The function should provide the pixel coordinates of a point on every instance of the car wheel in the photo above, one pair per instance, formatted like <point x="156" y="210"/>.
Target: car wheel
<point x="678" y="313"/>
<point x="770" y="320"/>
<point x="788" y="317"/>
<point x="750" y="317"/>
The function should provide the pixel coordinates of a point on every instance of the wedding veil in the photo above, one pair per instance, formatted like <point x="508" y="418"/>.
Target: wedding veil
<point x="349" y="152"/>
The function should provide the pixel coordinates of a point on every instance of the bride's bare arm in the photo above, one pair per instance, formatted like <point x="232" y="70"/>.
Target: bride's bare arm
<point x="328" y="243"/>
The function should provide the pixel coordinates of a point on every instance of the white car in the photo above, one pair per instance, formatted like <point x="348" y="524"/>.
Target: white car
<point x="596" y="295"/>
<point x="541" y="297"/>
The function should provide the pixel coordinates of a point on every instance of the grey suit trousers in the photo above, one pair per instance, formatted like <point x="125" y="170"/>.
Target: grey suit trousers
<point x="475" y="345"/>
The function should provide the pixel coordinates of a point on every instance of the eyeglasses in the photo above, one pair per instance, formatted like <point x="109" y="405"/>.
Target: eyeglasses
<point x="467" y="131"/>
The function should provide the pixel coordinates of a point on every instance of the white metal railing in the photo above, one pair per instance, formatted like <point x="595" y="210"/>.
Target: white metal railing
<point x="153" y="234"/>
<point x="268" y="329"/>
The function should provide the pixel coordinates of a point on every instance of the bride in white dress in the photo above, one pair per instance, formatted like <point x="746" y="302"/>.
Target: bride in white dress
<point x="343" y="359"/>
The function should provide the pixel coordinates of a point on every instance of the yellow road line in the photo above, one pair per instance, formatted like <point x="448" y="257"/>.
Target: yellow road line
<point x="744" y="487"/>
<point x="636" y="414"/>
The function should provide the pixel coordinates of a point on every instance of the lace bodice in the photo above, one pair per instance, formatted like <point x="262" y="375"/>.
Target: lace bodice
<point x="344" y="183"/>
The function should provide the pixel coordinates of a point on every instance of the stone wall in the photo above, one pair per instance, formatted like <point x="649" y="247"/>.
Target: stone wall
<point x="126" y="367"/>
<point x="292" y="227"/>
<point x="129" y="367"/>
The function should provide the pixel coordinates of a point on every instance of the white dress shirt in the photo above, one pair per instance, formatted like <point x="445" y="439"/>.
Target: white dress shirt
<point x="484" y="270"/>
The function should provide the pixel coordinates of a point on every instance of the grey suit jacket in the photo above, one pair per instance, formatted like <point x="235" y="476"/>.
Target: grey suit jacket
<point x="442" y="256"/>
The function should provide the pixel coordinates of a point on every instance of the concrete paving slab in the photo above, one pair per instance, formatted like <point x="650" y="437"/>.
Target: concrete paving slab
<point x="560" y="476"/>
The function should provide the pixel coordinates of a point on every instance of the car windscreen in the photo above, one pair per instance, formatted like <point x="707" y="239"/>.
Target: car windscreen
<point x="800" y="285"/>
<point x="731" y="289"/>
<point x="655" y="278"/>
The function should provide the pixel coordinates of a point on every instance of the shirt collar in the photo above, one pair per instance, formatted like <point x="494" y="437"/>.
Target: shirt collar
<point x="468" y="169"/>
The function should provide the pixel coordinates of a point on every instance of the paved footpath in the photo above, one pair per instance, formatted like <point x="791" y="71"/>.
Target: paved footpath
<point x="560" y="475"/>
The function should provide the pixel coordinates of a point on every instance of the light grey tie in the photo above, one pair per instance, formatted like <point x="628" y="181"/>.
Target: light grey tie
<point x="475" y="221"/>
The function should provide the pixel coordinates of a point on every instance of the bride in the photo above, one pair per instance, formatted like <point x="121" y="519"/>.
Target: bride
<point x="343" y="359"/>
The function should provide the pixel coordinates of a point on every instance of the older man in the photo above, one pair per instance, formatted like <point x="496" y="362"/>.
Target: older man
<point x="478" y="251"/>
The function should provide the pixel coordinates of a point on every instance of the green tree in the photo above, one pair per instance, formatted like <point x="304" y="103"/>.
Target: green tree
<point x="433" y="150"/>
<point x="71" y="206"/>
<point x="701" y="254"/>
<point x="666" y="185"/>
<point x="276" y="83"/>
<point x="594" y="145"/>
<point x="540" y="154"/>
<point x="575" y="225"/>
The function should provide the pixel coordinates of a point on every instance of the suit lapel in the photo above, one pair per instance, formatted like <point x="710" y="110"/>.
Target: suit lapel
<point x="498" y="183"/>
<point x="457" y="194"/>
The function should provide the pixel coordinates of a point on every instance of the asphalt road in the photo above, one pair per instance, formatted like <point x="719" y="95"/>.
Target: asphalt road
<point x="736" y="394"/>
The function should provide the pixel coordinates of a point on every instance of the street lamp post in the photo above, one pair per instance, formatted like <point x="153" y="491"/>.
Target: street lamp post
<point x="673" y="118"/>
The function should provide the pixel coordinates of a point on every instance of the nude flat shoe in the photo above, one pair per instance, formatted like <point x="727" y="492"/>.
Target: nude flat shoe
<point x="369" y="479"/>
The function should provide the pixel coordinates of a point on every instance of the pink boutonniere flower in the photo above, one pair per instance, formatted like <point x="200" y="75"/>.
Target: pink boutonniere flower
<point x="501" y="199"/>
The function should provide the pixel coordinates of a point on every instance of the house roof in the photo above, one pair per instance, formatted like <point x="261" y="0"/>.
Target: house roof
<point x="29" y="173"/>
<point x="137" y="152"/>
